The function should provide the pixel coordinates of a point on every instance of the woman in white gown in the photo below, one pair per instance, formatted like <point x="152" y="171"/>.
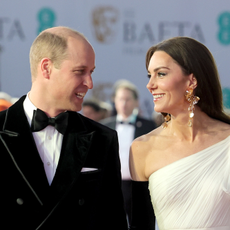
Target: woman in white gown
<point x="186" y="162"/>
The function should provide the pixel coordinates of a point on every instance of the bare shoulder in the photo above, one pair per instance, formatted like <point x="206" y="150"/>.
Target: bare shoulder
<point x="219" y="130"/>
<point x="139" y="151"/>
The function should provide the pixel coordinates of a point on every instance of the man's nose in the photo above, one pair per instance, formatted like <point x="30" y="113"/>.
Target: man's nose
<point x="88" y="82"/>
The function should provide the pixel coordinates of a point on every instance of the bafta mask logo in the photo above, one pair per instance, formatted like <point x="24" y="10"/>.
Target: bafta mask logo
<point x="104" y="20"/>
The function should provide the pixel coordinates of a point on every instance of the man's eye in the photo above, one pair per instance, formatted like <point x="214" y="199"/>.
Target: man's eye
<point x="80" y="71"/>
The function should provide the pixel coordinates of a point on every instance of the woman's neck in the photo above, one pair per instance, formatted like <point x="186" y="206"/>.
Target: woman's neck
<point x="178" y="126"/>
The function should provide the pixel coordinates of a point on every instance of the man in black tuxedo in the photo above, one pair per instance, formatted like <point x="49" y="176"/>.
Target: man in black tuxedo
<point x="60" y="170"/>
<point x="129" y="126"/>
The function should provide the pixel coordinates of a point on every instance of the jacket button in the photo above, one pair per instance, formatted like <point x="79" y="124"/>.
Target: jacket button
<point x="139" y="124"/>
<point x="20" y="201"/>
<point x="81" y="201"/>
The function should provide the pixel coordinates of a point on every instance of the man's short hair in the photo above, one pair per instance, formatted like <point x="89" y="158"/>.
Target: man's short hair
<point x="52" y="45"/>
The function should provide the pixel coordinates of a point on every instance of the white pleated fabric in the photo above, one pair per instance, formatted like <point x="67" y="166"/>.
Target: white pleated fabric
<point x="194" y="192"/>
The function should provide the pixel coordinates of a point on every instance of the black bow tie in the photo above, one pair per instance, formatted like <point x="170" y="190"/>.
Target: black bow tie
<point x="40" y="120"/>
<point x="127" y="123"/>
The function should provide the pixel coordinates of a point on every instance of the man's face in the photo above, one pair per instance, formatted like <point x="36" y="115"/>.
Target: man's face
<point x="125" y="102"/>
<point x="71" y="81"/>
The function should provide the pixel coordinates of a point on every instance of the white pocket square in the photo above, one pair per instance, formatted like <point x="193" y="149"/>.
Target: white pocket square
<point x="89" y="169"/>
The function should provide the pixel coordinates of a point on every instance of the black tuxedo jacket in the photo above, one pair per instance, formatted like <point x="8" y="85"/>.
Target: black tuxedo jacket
<point x="75" y="199"/>
<point x="142" y="125"/>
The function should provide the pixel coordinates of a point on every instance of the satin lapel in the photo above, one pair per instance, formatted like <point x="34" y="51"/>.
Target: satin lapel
<point x="23" y="150"/>
<point x="75" y="148"/>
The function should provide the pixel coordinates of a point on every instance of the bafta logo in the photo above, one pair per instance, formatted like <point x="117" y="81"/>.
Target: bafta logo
<point x="104" y="20"/>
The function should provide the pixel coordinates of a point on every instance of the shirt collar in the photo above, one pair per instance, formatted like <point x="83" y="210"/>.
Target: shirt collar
<point x="29" y="108"/>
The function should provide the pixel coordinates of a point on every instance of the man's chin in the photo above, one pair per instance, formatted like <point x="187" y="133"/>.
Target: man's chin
<point x="75" y="108"/>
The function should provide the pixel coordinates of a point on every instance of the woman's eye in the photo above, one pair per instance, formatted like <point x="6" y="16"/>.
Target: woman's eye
<point x="149" y="76"/>
<point x="160" y="74"/>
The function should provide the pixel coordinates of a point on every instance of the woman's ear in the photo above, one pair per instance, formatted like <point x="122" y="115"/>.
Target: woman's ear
<point x="45" y="66"/>
<point x="192" y="81"/>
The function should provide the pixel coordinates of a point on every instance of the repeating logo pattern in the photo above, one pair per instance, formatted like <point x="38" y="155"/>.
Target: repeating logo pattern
<point x="226" y="97"/>
<point x="224" y="28"/>
<point x="46" y="18"/>
<point x="104" y="20"/>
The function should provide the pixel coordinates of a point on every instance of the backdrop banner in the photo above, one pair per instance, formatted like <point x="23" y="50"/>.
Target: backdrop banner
<point x="121" y="33"/>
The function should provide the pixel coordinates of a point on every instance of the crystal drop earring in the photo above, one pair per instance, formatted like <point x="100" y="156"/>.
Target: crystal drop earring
<point x="165" y="124"/>
<point x="193" y="100"/>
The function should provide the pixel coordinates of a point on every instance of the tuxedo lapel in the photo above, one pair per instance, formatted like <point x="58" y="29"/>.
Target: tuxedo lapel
<point x="27" y="162"/>
<point x="75" y="148"/>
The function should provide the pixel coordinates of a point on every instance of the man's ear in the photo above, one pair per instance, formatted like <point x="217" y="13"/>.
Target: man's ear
<point x="192" y="81"/>
<point x="45" y="66"/>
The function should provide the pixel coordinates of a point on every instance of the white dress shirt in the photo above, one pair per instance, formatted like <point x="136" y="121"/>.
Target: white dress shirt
<point x="48" y="142"/>
<point x="125" y="134"/>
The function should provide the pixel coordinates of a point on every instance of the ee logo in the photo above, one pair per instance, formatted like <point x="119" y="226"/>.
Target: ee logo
<point x="46" y="18"/>
<point x="224" y="28"/>
<point x="226" y="97"/>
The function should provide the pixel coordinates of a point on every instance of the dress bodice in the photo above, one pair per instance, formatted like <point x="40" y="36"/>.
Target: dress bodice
<point x="194" y="192"/>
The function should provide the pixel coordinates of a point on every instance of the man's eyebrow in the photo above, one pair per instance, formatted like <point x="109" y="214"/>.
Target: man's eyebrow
<point x="82" y="67"/>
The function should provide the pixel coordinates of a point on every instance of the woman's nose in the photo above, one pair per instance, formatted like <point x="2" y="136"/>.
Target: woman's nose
<point x="151" y="84"/>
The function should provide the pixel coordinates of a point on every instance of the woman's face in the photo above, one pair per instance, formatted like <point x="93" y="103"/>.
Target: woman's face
<point x="167" y="83"/>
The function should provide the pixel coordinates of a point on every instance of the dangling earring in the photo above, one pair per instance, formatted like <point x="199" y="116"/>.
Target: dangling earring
<point x="165" y="124"/>
<point x="193" y="100"/>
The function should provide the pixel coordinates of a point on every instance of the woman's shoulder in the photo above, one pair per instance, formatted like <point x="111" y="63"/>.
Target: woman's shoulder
<point x="140" y="149"/>
<point x="218" y="129"/>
